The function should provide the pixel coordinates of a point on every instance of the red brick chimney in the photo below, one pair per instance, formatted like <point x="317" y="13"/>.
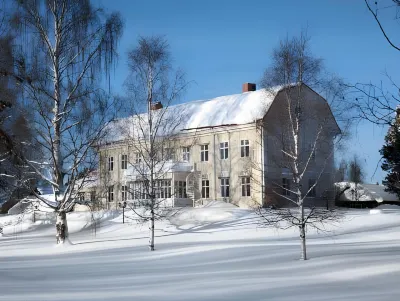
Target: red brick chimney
<point x="156" y="106"/>
<point x="247" y="87"/>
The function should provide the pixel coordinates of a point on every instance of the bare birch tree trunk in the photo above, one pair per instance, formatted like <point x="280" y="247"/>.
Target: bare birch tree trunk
<point x="61" y="227"/>
<point x="151" y="240"/>
<point x="302" y="229"/>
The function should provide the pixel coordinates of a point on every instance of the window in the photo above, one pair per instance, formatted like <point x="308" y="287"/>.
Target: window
<point x="244" y="148"/>
<point x="168" y="154"/>
<point x="111" y="193"/>
<point x="225" y="187"/>
<point x="204" y="153"/>
<point x="285" y="186"/>
<point x="246" y="186"/>
<point x="110" y="163"/>
<point x="186" y="154"/>
<point x="180" y="189"/>
<point x="163" y="189"/>
<point x="138" y="158"/>
<point x="312" y="192"/>
<point x="224" y="149"/>
<point x="124" y="161"/>
<point x="205" y="189"/>
<point x="92" y="196"/>
<point x="138" y="191"/>
<point x="81" y="196"/>
<point x="124" y="190"/>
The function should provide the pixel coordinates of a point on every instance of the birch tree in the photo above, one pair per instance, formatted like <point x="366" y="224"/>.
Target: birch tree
<point x="61" y="50"/>
<point x="302" y="133"/>
<point x="153" y="85"/>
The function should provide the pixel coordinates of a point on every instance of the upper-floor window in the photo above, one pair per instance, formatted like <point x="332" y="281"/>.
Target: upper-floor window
<point x="93" y="196"/>
<point x="225" y="187"/>
<point x="224" y="150"/>
<point x="110" y="193"/>
<point x="245" y="186"/>
<point x="110" y="163"/>
<point x="311" y="185"/>
<point x="205" y="189"/>
<point x="138" y="158"/>
<point x="186" y="153"/>
<point x="168" y="154"/>
<point x="204" y="153"/>
<point x="244" y="148"/>
<point x="124" y="191"/>
<point x="124" y="161"/>
<point x="285" y="186"/>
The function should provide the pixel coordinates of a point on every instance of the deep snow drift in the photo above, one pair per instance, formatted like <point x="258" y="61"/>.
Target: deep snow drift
<point x="217" y="252"/>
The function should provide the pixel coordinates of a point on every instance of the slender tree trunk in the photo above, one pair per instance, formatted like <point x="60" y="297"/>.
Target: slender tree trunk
<point x="302" y="229"/>
<point x="61" y="226"/>
<point x="151" y="240"/>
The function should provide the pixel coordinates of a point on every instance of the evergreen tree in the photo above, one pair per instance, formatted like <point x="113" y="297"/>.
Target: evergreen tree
<point x="391" y="156"/>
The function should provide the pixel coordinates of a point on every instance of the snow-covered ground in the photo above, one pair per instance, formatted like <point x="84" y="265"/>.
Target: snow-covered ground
<point x="217" y="252"/>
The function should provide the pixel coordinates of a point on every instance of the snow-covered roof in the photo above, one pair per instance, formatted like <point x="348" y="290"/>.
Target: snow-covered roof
<point x="224" y="110"/>
<point x="366" y="192"/>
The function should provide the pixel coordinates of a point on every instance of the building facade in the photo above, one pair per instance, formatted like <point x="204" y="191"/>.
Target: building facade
<point x="223" y="149"/>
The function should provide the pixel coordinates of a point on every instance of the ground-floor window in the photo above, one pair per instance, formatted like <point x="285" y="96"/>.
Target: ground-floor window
<point x="205" y="189"/>
<point x="124" y="191"/>
<point x="286" y="186"/>
<point x="311" y="183"/>
<point x="225" y="187"/>
<point x="139" y="190"/>
<point x="246" y="186"/>
<point x="111" y="193"/>
<point x="163" y="189"/>
<point x="180" y="189"/>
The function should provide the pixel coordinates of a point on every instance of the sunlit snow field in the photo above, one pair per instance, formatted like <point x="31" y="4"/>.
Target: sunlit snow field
<point x="214" y="253"/>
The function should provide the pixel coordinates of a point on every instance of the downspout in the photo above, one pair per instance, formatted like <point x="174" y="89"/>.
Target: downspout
<point x="215" y="171"/>
<point x="262" y="167"/>
<point x="230" y="165"/>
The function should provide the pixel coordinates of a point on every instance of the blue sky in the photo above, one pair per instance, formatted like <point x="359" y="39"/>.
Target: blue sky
<point x="222" y="44"/>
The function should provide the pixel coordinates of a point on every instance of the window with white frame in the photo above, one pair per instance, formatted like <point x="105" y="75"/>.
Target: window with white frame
<point x="224" y="150"/>
<point x="245" y="186"/>
<point x="110" y="193"/>
<point x="225" y="187"/>
<point x="205" y="189"/>
<point x="168" y="153"/>
<point x="81" y="196"/>
<point x="180" y="189"/>
<point x="285" y="186"/>
<point x="138" y="158"/>
<point x="124" y="191"/>
<point x="124" y="161"/>
<point x="311" y="183"/>
<point x="204" y="153"/>
<point x="163" y="189"/>
<point x="244" y="148"/>
<point x="110" y="163"/>
<point x="186" y="153"/>
<point x="92" y="196"/>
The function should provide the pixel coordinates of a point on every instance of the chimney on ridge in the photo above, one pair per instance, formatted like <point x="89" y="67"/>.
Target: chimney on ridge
<point x="156" y="106"/>
<point x="247" y="87"/>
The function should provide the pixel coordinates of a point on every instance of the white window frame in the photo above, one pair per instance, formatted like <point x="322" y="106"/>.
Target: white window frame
<point x="224" y="150"/>
<point x="224" y="184"/>
<point x="110" y="163"/>
<point x="138" y="158"/>
<point x="205" y="189"/>
<point x="204" y="153"/>
<point x="244" y="148"/>
<point x="180" y="189"/>
<point x="246" y="187"/>
<point x="186" y="153"/>
<point x="110" y="195"/>
<point x="124" y="161"/>
<point x="124" y="192"/>
<point x="81" y="196"/>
